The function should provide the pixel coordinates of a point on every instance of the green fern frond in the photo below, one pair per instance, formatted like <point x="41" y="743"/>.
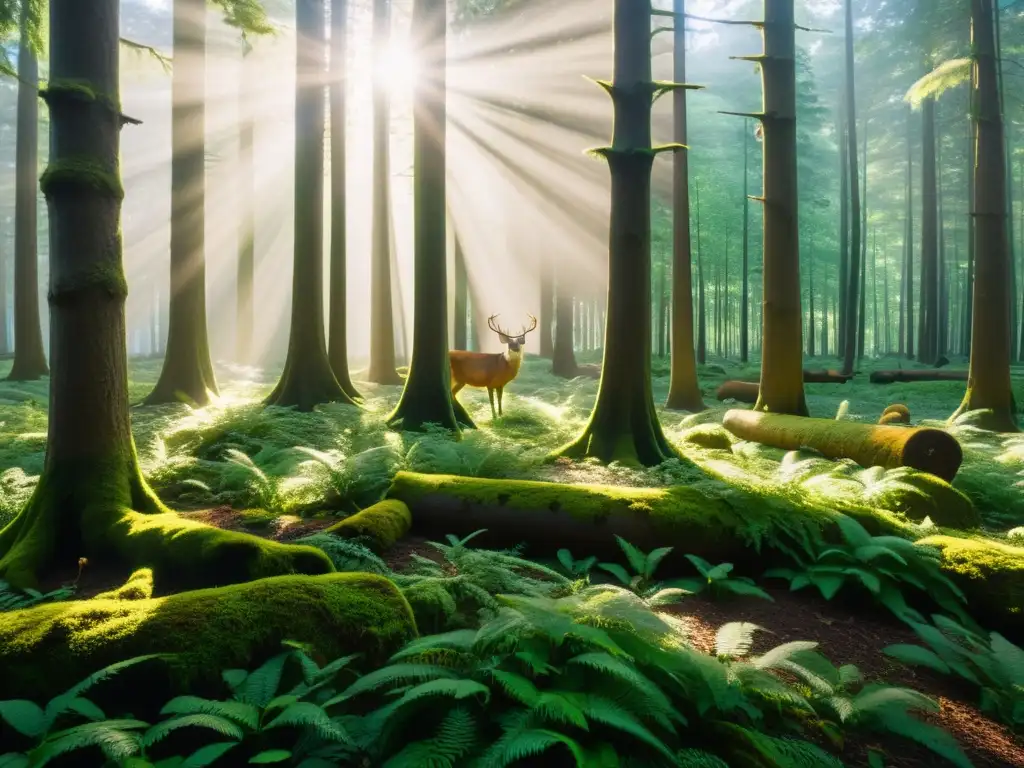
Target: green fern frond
<point x="606" y="712"/>
<point x="735" y="639"/>
<point x="220" y="725"/>
<point x="392" y="676"/>
<point x="522" y="744"/>
<point x="236" y="711"/>
<point x="698" y="758"/>
<point x="305" y="714"/>
<point x="558" y="707"/>
<point x="116" y="739"/>
<point x="948" y="74"/>
<point x="516" y="686"/>
<point x="455" y="739"/>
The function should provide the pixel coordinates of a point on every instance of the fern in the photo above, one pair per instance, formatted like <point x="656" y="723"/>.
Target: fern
<point x="347" y="555"/>
<point x="13" y="599"/>
<point x="948" y="74"/>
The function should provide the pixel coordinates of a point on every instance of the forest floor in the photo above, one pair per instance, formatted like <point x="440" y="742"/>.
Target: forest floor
<point x="303" y="470"/>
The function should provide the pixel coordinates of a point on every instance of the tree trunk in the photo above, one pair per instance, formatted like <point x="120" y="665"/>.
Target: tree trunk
<point x="824" y="315"/>
<point x="745" y="302"/>
<point x="1008" y="154"/>
<point x="547" y="306"/>
<point x="718" y="310"/>
<point x="702" y="314"/>
<point x="969" y="287"/>
<point x="941" y="344"/>
<point x="908" y="245"/>
<point x="427" y="396"/>
<point x="4" y="349"/>
<point x="307" y="379"/>
<point x="563" y="358"/>
<point x="337" y="350"/>
<point x="810" y="302"/>
<point x="861" y="326"/>
<point x="725" y="298"/>
<point x="988" y="383"/>
<point x="875" y="326"/>
<point x="782" y="385"/>
<point x="852" y="314"/>
<point x="244" y="316"/>
<point x="887" y="300"/>
<point x="461" y="309"/>
<point x="684" y="389"/>
<point x="91" y="499"/>
<point x="929" y="324"/>
<point x="844" y="231"/>
<point x="624" y="424"/>
<point x="187" y="372"/>
<point x="29" y="356"/>
<point x="382" y="316"/>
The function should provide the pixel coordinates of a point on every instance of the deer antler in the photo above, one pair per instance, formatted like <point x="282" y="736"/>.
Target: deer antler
<point x="494" y="326"/>
<point x="532" y="327"/>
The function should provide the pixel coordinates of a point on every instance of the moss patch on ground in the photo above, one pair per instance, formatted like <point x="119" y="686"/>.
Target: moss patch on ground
<point x="44" y="650"/>
<point x="990" y="573"/>
<point x="382" y="525"/>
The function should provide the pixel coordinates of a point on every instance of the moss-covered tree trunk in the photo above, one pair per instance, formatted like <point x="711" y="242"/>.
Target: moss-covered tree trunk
<point x="547" y="306"/>
<point x="782" y="382"/>
<point x="29" y="356"/>
<point x="382" y="315"/>
<point x="187" y="372"/>
<point x="684" y="388"/>
<point x="337" y="350"/>
<point x="563" y="357"/>
<point x="246" y="273"/>
<point x="624" y="425"/>
<point x="461" y="309"/>
<point x="91" y="500"/>
<point x="988" y="383"/>
<point x="307" y="379"/>
<point x="928" y="327"/>
<point x="427" y="397"/>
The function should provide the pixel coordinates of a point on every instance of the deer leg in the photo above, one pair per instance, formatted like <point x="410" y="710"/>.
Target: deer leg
<point x="457" y="387"/>
<point x="490" y="394"/>
<point x="501" y="391"/>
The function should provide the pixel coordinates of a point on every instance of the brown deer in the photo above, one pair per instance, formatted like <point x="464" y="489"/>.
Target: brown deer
<point x="491" y="370"/>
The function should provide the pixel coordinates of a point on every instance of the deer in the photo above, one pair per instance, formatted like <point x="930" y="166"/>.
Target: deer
<point x="490" y="370"/>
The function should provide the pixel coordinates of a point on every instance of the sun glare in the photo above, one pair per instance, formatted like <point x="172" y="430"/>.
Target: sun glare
<point x="397" y="67"/>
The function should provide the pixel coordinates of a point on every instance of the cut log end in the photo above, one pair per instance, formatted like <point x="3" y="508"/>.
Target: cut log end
<point x="934" y="451"/>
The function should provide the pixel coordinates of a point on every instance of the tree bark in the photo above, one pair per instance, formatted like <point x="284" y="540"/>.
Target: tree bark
<point x="427" y="397"/>
<point x="563" y="358"/>
<point x="91" y="500"/>
<point x="782" y="387"/>
<point x="684" y="388"/>
<point x="547" y="306"/>
<point x="745" y="303"/>
<point x="988" y="383"/>
<point x="307" y="379"/>
<point x="702" y="314"/>
<point x="244" y="311"/>
<point x="461" y="308"/>
<point x="844" y="231"/>
<point x="337" y="349"/>
<point x="624" y="424"/>
<point x="4" y="349"/>
<point x="810" y="302"/>
<point x="852" y="315"/>
<point x="29" y="356"/>
<point x="382" y="315"/>
<point x="969" y="287"/>
<point x="908" y="244"/>
<point x="187" y="372"/>
<point x="929" y="323"/>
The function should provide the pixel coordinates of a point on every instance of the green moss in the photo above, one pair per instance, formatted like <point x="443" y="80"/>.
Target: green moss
<point x="44" y="650"/>
<point x="75" y="175"/>
<point x="701" y="518"/>
<point x="990" y="573"/>
<point x="919" y="495"/>
<point x="105" y="277"/>
<point x="105" y="511"/>
<point x="710" y="436"/>
<point x="138" y="587"/>
<point x="383" y="524"/>
<point x="80" y="90"/>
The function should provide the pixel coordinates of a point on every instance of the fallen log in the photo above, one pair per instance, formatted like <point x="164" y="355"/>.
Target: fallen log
<point x="692" y="519"/>
<point x="740" y="391"/>
<point x="929" y="450"/>
<point x="897" y="413"/>
<point x="746" y="391"/>
<point x="901" y="376"/>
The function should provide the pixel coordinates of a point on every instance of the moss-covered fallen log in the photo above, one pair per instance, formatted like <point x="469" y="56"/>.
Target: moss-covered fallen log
<point x="740" y="527"/>
<point x="381" y="525"/>
<point x="870" y="445"/>
<point x="826" y="377"/>
<point x="897" y="413"/>
<point x="46" y="649"/>
<point x="900" y="377"/>
<point x="695" y="518"/>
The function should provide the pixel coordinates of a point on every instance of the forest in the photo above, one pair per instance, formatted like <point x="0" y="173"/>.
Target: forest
<point x="484" y="383"/>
